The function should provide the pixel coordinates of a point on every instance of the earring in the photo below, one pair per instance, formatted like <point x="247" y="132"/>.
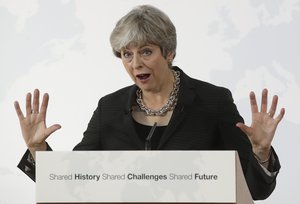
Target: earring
<point x="170" y="62"/>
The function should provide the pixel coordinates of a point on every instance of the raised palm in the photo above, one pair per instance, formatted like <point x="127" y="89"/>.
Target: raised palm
<point x="33" y="125"/>
<point x="263" y="126"/>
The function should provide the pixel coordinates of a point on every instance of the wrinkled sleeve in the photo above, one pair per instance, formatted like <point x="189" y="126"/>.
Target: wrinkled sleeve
<point x="27" y="164"/>
<point x="261" y="182"/>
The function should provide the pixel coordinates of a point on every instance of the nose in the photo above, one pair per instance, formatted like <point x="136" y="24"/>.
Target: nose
<point x="136" y="61"/>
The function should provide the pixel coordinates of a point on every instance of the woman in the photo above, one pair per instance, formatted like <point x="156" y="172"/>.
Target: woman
<point x="187" y="114"/>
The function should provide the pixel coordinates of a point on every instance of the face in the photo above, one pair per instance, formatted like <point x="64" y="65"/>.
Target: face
<point x="147" y="67"/>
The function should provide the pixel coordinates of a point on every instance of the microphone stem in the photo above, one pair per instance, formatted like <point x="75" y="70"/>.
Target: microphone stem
<point x="149" y="136"/>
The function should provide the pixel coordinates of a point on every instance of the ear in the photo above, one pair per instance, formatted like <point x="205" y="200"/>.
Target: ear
<point x="170" y="56"/>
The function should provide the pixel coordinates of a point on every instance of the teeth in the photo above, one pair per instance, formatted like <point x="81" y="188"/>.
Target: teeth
<point x="143" y="76"/>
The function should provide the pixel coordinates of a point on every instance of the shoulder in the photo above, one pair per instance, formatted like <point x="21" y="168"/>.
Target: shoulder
<point x="118" y="99"/>
<point x="119" y="94"/>
<point x="211" y="91"/>
<point x="206" y="97"/>
<point x="204" y="89"/>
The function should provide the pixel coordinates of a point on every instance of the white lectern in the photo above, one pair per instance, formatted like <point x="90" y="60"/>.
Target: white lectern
<point x="140" y="177"/>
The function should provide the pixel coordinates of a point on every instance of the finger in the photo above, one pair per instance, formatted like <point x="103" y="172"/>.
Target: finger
<point x="18" y="110"/>
<point x="280" y="116"/>
<point x="36" y="101"/>
<point x="264" y="101"/>
<point x="28" y="104"/>
<point x="253" y="102"/>
<point x="273" y="106"/>
<point x="246" y="129"/>
<point x="44" y="105"/>
<point x="51" y="130"/>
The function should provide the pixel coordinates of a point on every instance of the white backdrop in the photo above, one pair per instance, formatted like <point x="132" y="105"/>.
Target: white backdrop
<point x="62" y="47"/>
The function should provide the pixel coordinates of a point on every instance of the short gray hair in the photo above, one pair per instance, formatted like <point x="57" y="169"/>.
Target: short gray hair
<point x="144" y="24"/>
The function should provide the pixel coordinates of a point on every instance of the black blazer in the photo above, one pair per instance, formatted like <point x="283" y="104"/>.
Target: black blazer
<point x="203" y="119"/>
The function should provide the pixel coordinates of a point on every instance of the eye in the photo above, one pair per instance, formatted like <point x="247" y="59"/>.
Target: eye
<point x="146" y="52"/>
<point x="126" y="54"/>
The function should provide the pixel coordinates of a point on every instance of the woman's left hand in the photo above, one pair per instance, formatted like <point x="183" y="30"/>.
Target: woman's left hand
<point x="264" y="124"/>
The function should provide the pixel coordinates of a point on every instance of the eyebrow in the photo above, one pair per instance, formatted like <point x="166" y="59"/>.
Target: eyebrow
<point x="140" y="47"/>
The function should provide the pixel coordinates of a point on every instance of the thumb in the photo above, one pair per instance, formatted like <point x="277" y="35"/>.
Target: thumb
<point x="51" y="130"/>
<point x="244" y="128"/>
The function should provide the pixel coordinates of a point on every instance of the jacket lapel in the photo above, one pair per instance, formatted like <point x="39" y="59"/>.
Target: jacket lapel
<point x="185" y="98"/>
<point x="128" y="119"/>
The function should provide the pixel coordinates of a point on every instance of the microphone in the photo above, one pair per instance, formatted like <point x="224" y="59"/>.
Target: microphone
<point x="149" y="136"/>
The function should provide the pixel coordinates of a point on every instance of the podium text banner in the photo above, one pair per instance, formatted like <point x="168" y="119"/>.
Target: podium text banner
<point x="136" y="177"/>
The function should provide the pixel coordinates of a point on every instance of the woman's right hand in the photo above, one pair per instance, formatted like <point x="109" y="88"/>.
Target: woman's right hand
<point x="33" y="125"/>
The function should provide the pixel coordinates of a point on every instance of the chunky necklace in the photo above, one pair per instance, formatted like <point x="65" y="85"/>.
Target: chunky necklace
<point x="170" y="105"/>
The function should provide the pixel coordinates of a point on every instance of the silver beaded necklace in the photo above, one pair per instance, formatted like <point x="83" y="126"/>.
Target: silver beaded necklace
<point x="170" y="105"/>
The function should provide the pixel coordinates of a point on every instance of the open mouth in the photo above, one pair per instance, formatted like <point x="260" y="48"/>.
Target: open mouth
<point x="143" y="76"/>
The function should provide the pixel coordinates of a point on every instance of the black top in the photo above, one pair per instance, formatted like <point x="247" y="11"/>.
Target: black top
<point x="144" y="130"/>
